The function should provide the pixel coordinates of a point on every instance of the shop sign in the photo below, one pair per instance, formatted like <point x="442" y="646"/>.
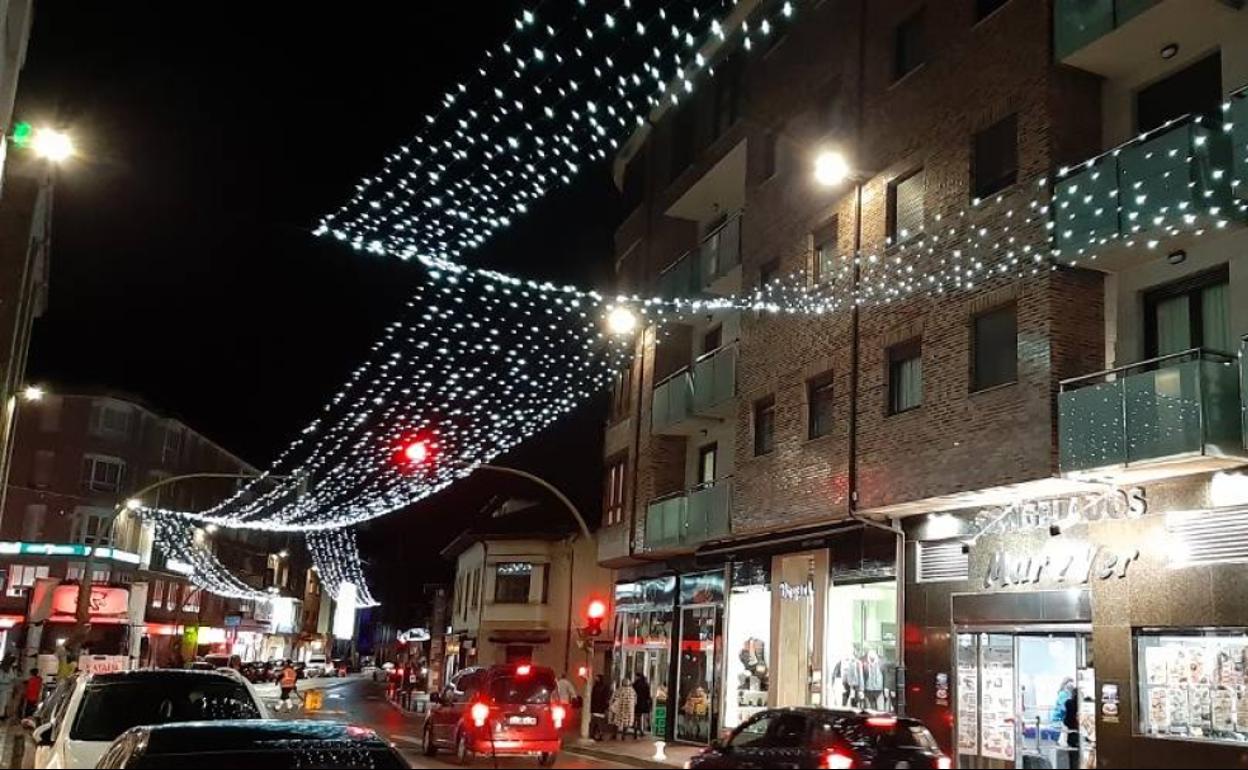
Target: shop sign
<point x="1109" y="702"/>
<point x="103" y="664"/>
<point x="942" y="689"/>
<point x="794" y="593"/>
<point x="1030" y="515"/>
<point x="105" y="602"/>
<point x="658" y="593"/>
<point x="705" y="588"/>
<point x="1068" y="565"/>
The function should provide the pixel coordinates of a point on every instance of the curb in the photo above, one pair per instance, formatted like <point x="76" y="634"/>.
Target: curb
<point x="618" y="759"/>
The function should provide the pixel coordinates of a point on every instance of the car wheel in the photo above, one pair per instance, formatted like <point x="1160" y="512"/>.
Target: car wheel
<point x="427" y="745"/>
<point x="547" y="759"/>
<point x="463" y="754"/>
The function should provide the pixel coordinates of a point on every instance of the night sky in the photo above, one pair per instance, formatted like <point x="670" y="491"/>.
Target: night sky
<point x="184" y="270"/>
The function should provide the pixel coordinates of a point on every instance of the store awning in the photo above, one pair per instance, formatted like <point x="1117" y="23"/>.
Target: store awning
<point x="793" y="540"/>
<point x="504" y="636"/>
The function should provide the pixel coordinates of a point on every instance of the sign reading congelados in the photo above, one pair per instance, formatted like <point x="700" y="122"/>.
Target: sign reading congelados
<point x="1027" y="515"/>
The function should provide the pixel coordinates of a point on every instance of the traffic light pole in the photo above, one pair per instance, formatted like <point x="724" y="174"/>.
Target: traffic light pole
<point x="587" y="699"/>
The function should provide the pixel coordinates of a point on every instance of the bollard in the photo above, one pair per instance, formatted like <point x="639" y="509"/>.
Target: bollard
<point x="659" y="755"/>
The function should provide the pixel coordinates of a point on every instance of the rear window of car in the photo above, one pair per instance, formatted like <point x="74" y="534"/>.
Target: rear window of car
<point x="537" y="687"/>
<point x="108" y="709"/>
<point x="899" y="734"/>
<point x="314" y="754"/>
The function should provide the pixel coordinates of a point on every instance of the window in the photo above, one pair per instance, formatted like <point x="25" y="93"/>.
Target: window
<point x="905" y="206"/>
<point x="476" y="588"/>
<point x="908" y="51"/>
<point x="768" y="273"/>
<point x="819" y="403"/>
<point x="727" y="95"/>
<point x="996" y="157"/>
<point x="102" y="474"/>
<point x="92" y="528"/>
<point x="994" y="347"/>
<point x="823" y="262"/>
<point x="171" y="448"/>
<point x="753" y="733"/>
<point x="110" y="420"/>
<point x="788" y="732"/>
<point x="985" y="8"/>
<point x="511" y="582"/>
<point x="1192" y="313"/>
<point x="614" y="492"/>
<point x="158" y="594"/>
<point x="22" y="577"/>
<point x="764" y="426"/>
<point x="45" y="459"/>
<point x="1195" y="89"/>
<point x="707" y="458"/>
<point x="713" y="339"/>
<point x="192" y="601"/>
<point x="108" y="709"/>
<point x="905" y="376"/>
<point x="622" y="394"/>
<point x="32" y="522"/>
<point x="74" y="571"/>
<point x="683" y="126"/>
<point x="171" y="596"/>
<point x="1188" y="680"/>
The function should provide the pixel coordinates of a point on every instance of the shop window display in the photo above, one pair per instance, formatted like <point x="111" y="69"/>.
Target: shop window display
<point x="862" y="646"/>
<point x="1191" y="684"/>
<point x="698" y="638"/>
<point x="747" y="644"/>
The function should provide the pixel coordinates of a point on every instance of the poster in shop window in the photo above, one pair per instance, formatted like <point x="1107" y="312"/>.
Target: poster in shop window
<point x="997" y="702"/>
<point x="1199" y="707"/>
<point x="1157" y="666"/>
<point x="1224" y="710"/>
<point x="1177" y="710"/>
<point x="968" y="696"/>
<point x="1159" y="708"/>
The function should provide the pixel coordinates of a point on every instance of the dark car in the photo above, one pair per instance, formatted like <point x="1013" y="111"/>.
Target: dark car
<point x="254" y="672"/>
<point x="511" y="710"/>
<point x="269" y="744"/>
<point x="813" y="737"/>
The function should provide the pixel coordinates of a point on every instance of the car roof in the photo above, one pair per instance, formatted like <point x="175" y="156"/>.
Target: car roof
<point x="156" y="675"/>
<point x="252" y="735"/>
<point x="826" y="713"/>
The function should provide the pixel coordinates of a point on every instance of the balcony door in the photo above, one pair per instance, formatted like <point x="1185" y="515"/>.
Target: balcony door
<point x="707" y="458"/>
<point x="1192" y="313"/>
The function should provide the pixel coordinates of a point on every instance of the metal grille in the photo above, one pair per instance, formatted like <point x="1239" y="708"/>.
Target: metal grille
<point x="943" y="561"/>
<point x="1209" y="537"/>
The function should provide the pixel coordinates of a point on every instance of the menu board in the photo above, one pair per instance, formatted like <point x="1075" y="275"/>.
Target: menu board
<point x="1194" y="685"/>
<point x="996" y="697"/>
<point x="968" y="695"/>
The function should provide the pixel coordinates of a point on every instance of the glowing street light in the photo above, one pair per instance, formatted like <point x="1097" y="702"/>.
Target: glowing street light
<point x="621" y="321"/>
<point x="52" y="145"/>
<point x="134" y="503"/>
<point x="32" y="393"/>
<point x="831" y="168"/>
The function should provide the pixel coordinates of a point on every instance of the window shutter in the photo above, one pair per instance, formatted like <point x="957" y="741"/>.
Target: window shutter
<point x="943" y="561"/>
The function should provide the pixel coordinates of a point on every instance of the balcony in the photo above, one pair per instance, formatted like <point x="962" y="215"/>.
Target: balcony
<point x="1152" y="190"/>
<point x="696" y="397"/>
<point x="613" y="545"/>
<point x="1121" y="38"/>
<point x="719" y="257"/>
<point x="687" y="519"/>
<point x="1172" y="415"/>
<point x="682" y="279"/>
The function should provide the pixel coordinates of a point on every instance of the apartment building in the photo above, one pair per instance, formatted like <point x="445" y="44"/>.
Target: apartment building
<point x="1034" y="289"/>
<point x="76" y="459"/>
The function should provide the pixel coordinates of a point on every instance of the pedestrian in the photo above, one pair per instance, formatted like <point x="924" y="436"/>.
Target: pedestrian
<point x="8" y="680"/>
<point x="622" y="711"/>
<point x="567" y="690"/>
<point x="34" y="692"/>
<point x="645" y="703"/>
<point x="1070" y="723"/>
<point x="287" y="684"/>
<point x="599" y="703"/>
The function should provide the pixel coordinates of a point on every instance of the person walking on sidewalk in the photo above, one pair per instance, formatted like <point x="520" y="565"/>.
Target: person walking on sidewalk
<point x="645" y="703"/>
<point x="567" y="690"/>
<point x="288" y="683"/>
<point x="623" y="710"/>
<point x="8" y="681"/>
<point x="34" y="692"/>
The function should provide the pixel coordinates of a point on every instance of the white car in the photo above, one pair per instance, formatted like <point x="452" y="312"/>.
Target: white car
<point x="93" y="709"/>
<point x="316" y="666"/>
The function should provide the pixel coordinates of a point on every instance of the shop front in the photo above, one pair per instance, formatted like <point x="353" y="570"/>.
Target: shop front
<point x="645" y="611"/>
<point x="1106" y="629"/>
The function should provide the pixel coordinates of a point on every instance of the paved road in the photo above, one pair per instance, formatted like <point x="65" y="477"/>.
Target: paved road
<point x="363" y="702"/>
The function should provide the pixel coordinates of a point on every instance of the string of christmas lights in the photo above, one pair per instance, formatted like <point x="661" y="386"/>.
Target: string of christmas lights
<point x="181" y="540"/>
<point x="337" y="560"/>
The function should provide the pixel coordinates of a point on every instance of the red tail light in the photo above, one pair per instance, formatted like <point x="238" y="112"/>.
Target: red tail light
<point x="944" y="763"/>
<point x="882" y="721"/>
<point x="480" y="713"/>
<point x="558" y="713"/>
<point x="524" y="669"/>
<point x="835" y="760"/>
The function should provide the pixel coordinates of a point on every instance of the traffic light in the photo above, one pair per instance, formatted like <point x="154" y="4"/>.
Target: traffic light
<point x="413" y="453"/>
<point x="595" y="613"/>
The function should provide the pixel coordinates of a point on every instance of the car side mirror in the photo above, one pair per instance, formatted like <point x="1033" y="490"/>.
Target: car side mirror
<point x="42" y="735"/>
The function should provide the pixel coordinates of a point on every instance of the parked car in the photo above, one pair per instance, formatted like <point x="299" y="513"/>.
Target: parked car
<point x="507" y="710"/>
<point x="316" y="666"/>
<point x="269" y="744"/>
<point x="222" y="660"/>
<point x="96" y="708"/>
<point x="814" y="737"/>
<point x="254" y="672"/>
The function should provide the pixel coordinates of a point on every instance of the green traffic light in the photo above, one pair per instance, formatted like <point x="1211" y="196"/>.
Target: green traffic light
<point x="22" y="132"/>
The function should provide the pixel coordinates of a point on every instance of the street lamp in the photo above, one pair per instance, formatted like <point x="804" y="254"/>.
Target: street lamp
<point x="32" y="393"/>
<point x="52" y="145"/>
<point x="621" y="321"/>
<point x="831" y="168"/>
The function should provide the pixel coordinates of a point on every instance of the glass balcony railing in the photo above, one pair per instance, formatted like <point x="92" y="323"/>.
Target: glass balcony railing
<point x="1170" y="178"/>
<point x="720" y="251"/>
<point x="681" y="279"/>
<point x="673" y="402"/>
<point x="687" y="519"/>
<point x="715" y="380"/>
<point x="1076" y="23"/>
<point x="1164" y="409"/>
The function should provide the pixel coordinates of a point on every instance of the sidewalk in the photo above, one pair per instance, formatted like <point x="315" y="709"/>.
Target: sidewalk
<point x="11" y="736"/>
<point x="639" y="753"/>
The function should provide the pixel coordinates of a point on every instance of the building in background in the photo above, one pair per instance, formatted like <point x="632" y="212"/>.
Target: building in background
<point x="1012" y="422"/>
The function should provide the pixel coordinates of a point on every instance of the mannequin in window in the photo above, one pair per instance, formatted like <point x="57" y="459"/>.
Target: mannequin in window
<point x="873" y="680"/>
<point x="850" y="672"/>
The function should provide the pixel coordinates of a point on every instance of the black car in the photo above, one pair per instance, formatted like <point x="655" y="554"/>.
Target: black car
<point x="266" y="743"/>
<point x="813" y="737"/>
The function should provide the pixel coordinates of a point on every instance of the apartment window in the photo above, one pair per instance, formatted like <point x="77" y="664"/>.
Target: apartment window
<point x="110" y="420"/>
<point x="1195" y="89"/>
<point x="905" y="206"/>
<point x="994" y="347"/>
<point x="708" y="457"/>
<point x="511" y="582"/>
<point x="478" y="576"/>
<point x="764" y="425"/>
<point x="74" y="571"/>
<point x="713" y="339"/>
<point x="102" y="474"/>
<point x="996" y="157"/>
<point x="22" y="577"/>
<point x="622" y="394"/>
<point x="768" y="273"/>
<point x="32" y="522"/>
<point x="171" y="448"/>
<point x="92" y="528"/>
<point x="157" y="598"/>
<point x="727" y="94"/>
<point x="905" y="376"/>
<point x="1192" y="313"/>
<point x="908" y="51"/>
<point x="614" y="489"/>
<point x="192" y="602"/>
<point x="823" y="263"/>
<point x="41" y="478"/>
<point x="171" y="596"/>
<point x="985" y="8"/>
<point x="819" y="402"/>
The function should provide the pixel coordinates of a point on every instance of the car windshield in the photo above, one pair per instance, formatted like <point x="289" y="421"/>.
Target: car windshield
<point x="324" y="754"/>
<point x="534" y="688"/>
<point x="110" y="708"/>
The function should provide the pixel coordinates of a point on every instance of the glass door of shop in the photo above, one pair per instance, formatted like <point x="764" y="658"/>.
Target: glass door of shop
<point x="697" y="696"/>
<point x="1025" y="699"/>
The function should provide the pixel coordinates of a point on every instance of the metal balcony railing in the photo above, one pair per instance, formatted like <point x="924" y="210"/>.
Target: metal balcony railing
<point x="1181" y="405"/>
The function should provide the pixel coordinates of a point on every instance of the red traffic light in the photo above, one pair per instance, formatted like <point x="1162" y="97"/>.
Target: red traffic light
<point x="413" y="453"/>
<point x="416" y="452"/>
<point x="597" y="610"/>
